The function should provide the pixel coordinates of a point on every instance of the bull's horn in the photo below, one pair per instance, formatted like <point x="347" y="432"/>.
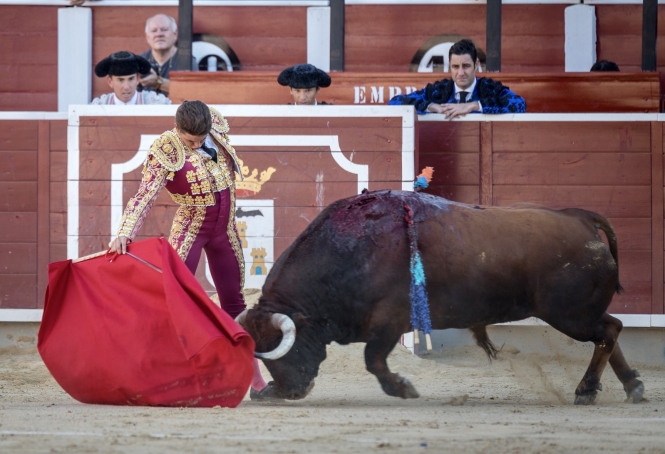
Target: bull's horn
<point x="284" y="323"/>
<point x="240" y="319"/>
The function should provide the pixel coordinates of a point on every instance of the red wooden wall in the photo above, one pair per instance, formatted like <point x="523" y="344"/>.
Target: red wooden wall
<point x="377" y="39"/>
<point x="33" y="157"/>
<point x="619" y="30"/>
<point x="306" y="178"/>
<point x="386" y="37"/>
<point x="544" y="93"/>
<point x="612" y="168"/>
<point x="262" y="38"/>
<point x="28" y="58"/>
<point x="33" y="179"/>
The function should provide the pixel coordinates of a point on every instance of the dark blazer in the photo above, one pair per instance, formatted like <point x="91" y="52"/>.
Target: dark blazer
<point x="493" y="95"/>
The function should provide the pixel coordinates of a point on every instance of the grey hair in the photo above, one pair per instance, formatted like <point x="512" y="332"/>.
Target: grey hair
<point x="174" y="25"/>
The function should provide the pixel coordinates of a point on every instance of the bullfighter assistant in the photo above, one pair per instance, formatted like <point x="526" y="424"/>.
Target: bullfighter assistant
<point x="195" y="162"/>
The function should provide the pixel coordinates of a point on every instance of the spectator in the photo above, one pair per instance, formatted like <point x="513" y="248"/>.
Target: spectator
<point x="161" y="32"/>
<point x="305" y="81"/>
<point x="122" y="71"/>
<point x="464" y="93"/>
<point x="604" y="65"/>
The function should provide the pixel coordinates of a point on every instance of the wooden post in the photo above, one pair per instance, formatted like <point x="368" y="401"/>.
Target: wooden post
<point x="43" y="208"/>
<point x="486" y="195"/>
<point x="649" y="34"/>
<point x="657" y="240"/>
<point x="493" y="38"/>
<point x="337" y="35"/>
<point x="185" y="25"/>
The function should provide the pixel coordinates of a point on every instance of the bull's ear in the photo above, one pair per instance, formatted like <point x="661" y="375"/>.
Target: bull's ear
<point x="299" y="319"/>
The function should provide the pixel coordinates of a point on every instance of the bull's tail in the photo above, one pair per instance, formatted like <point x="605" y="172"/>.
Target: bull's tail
<point x="603" y="224"/>
<point x="483" y="341"/>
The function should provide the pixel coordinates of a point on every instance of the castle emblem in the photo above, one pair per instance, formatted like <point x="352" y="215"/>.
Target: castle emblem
<point x="258" y="262"/>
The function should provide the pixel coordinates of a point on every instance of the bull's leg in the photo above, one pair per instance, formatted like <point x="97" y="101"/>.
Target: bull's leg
<point x="634" y="388"/>
<point x="604" y="337"/>
<point x="377" y="350"/>
<point x="603" y="334"/>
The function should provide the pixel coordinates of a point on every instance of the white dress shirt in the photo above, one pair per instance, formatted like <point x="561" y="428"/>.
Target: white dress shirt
<point x="131" y="102"/>
<point x="469" y="91"/>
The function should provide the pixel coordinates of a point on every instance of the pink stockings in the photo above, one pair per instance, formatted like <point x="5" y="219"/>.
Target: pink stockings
<point x="258" y="383"/>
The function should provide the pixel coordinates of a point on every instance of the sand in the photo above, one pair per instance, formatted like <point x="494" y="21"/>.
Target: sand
<point x="518" y="403"/>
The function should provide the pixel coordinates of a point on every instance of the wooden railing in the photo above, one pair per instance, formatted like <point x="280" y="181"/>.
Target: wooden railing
<point x="544" y="93"/>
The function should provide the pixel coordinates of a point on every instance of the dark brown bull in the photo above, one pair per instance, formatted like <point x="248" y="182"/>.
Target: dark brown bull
<point x="346" y="279"/>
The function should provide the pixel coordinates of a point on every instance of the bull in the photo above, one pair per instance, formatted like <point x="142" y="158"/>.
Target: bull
<point x="346" y="279"/>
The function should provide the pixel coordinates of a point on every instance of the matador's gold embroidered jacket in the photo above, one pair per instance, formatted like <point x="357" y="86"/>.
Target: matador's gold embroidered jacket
<point x="190" y="177"/>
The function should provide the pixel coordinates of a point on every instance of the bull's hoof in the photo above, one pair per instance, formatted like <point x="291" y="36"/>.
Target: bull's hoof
<point x="636" y="394"/>
<point x="586" y="399"/>
<point x="266" y="394"/>
<point x="407" y="389"/>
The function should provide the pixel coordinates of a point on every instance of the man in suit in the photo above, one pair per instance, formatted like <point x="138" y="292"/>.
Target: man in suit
<point x="463" y="93"/>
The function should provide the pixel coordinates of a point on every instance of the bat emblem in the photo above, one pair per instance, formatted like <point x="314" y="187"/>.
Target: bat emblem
<point x="244" y="214"/>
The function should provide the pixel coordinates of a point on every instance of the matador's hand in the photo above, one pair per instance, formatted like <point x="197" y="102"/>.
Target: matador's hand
<point x="119" y="245"/>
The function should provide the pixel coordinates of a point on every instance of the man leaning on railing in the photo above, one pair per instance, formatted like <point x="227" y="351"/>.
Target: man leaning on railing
<point x="464" y="93"/>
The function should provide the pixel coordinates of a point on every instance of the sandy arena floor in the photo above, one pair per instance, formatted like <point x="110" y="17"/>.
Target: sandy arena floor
<point x="521" y="403"/>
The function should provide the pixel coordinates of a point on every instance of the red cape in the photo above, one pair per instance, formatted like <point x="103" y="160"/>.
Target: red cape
<point x="122" y="333"/>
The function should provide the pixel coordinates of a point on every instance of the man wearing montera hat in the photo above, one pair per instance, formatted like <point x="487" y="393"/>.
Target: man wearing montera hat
<point x="122" y="72"/>
<point x="305" y="81"/>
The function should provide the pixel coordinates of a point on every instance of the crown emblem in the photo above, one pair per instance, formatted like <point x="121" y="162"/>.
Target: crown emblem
<point x="251" y="184"/>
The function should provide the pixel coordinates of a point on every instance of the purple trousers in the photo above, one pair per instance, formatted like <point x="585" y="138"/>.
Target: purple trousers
<point x="213" y="237"/>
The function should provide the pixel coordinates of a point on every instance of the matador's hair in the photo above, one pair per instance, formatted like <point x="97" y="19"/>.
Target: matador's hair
<point x="193" y="117"/>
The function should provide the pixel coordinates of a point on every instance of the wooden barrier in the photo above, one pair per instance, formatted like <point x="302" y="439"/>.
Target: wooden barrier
<point x="33" y="157"/>
<point x="294" y="165"/>
<point x="28" y="58"/>
<point x="544" y="93"/>
<point x="611" y="164"/>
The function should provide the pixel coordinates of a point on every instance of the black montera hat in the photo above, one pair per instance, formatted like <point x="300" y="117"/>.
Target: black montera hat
<point x="122" y="63"/>
<point x="304" y="76"/>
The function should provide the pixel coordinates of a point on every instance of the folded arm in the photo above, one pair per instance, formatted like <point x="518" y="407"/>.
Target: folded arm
<point x="421" y="99"/>
<point x="504" y="102"/>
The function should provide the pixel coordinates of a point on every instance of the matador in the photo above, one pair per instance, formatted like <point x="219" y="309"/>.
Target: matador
<point x="196" y="164"/>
